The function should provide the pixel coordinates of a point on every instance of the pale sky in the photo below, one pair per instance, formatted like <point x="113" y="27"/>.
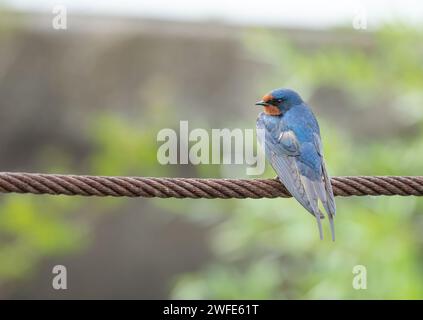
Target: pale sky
<point x="297" y="13"/>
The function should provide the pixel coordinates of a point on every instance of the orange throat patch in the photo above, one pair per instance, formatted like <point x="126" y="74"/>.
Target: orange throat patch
<point x="272" y="110"/>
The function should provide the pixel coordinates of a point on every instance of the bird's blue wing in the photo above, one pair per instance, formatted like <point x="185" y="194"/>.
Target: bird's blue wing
<point x="329" y="204"/>
<point x="300" y="187"/>
<point x="324" y="188"/>
<point x="283" y="151"/>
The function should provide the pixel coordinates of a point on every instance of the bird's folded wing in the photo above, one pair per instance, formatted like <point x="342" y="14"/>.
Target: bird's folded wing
<point x="328" y="198"/>
<point x="284" y="163"/>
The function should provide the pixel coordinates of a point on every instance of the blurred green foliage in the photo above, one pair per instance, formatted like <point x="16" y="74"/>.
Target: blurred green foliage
<point x="32" y="228"/>
<point x="388" y="64"/>
<point x="124" y="147"/>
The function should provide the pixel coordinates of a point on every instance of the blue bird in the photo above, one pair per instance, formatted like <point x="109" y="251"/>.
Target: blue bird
<point x="293" y="147"/>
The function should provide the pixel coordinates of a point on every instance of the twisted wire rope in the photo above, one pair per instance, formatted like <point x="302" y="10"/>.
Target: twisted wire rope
<point x="195" y="188"/>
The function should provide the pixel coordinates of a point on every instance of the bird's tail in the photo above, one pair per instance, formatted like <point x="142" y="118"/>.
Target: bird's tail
<point x="313" y="199"/>
<point x="329" y="204"/>
<point x="316" y="190"/>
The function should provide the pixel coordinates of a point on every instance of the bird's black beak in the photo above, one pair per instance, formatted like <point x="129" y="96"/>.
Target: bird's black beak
<point x="261" y="103"/>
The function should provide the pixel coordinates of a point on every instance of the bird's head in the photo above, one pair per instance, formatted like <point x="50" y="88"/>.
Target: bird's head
<point x="278" y="101"/>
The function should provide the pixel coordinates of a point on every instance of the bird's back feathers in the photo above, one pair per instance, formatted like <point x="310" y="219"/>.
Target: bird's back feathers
<point x="293" y="147"/>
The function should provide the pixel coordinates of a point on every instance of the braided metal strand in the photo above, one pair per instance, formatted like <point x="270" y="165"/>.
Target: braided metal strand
<point x="56" y="184"/>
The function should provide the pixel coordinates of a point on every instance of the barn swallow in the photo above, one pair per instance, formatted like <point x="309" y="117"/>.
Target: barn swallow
<point x="293" y="147"/>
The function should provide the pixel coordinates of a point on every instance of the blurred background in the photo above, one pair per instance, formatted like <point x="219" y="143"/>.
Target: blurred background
<point x="91" y="99"/>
